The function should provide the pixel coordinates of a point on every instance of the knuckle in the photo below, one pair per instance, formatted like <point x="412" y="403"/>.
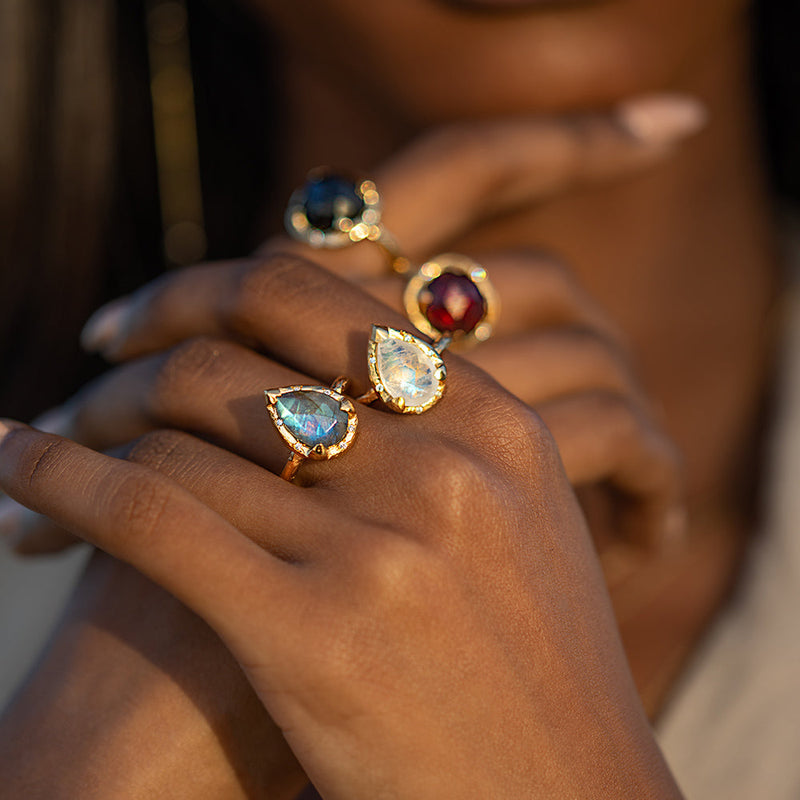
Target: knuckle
<point x="508" y="425"/>
<point x="449" y="475"/>
<point x="395" y="571"/>
<point x="282" y="275"/>
<point x="156" y="448"/>
<point x="138" y="505"/>
<point x="41" y="460"/>
<point x="181" y="369"/>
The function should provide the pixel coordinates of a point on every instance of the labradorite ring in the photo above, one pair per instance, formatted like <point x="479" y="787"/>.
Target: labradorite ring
<point x="316" y="422"/>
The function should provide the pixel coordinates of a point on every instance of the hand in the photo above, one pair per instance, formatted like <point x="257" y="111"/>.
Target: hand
<point x="135" y="698"/>
<point x="424" y="634"/>
<point x="554" y="348"/>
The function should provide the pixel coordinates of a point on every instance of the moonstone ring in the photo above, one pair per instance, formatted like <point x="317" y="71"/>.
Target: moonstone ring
<point x="405" y="372"/>
<point x="332" y="210"/>
<point x="315" y="422"/>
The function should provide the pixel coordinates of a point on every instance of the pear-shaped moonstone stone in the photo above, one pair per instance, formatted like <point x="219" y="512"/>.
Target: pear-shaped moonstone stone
<point x="312" y="417"/>
<point x="406" y="371"/>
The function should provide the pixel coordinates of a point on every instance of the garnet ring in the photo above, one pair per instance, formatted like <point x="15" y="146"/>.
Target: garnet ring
<point x="331" y="210"/>
<point x="315" y="422"/>
<point x="452" y="300"/>
<point x="405" y="372"/>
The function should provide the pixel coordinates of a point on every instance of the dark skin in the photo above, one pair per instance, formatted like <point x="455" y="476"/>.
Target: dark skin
<point x="656" y="267"/>
<point x="682" y="257"/>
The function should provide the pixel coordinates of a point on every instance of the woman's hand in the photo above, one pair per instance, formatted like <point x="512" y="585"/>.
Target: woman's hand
<point x="553" y="347"/>
<point x="136" y="698"/>
<point x="442" y="631"/>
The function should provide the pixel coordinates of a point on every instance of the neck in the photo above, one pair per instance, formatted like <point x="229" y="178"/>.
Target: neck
<point x="681" y="257"/>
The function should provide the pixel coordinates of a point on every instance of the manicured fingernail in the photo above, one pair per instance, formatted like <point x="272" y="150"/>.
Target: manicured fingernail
<point x="105" y="325"/>
<point x="663" y="118"/>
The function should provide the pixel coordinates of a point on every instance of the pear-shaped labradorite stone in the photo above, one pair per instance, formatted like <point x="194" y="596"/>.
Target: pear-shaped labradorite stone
<point x="312" y="417"/>
<point x="406" y="371"/>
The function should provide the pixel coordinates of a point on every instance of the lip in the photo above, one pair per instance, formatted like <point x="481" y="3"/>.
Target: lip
<point x="512" y="5"/>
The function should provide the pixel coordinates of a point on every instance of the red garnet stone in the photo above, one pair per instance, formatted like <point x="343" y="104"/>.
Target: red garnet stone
<point x="452" y="302"/>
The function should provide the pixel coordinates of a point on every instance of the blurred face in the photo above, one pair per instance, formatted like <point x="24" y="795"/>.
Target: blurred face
<point x="432" y="60"/>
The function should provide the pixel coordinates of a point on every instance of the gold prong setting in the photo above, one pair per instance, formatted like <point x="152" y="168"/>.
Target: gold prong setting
<point x="315" y="422"/>
<point x="406" y="372"/>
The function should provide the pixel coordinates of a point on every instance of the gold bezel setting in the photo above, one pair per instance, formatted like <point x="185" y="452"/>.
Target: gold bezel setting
<point x="345" y="230"/>
<point x="399" y="404"/>
<point x="317" y="452"/>
<point x="456" y="264"/>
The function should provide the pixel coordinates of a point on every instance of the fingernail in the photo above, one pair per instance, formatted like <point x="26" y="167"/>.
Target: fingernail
<point x="663" y="118"/>
<point x="105" y="325"/>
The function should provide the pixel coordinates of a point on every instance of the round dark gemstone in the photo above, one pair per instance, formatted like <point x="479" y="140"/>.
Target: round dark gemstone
<point x="452" y="302"/>
<point x="329" y="198"/>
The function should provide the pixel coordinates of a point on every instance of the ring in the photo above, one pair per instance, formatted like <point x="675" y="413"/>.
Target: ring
<point x="452" y="299"/>
<point x="405" y="372"/>
<point x="331" y="210"/>
<point x="316" y="422"/>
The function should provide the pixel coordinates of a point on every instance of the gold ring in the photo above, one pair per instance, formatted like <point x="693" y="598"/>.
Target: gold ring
<point x="405" y="372"/>
<point x="332" y="210"/>
<point x="452" y="298"/>
<point x="316" y="422"/>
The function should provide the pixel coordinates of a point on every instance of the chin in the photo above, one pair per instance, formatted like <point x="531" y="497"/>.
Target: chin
<point x="436" y="60"/>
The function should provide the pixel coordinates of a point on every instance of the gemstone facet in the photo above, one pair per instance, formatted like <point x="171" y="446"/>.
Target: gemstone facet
<point x="406" y="372"/>
<point x="452" y="303"/>
<point x="312" y="418"/>
<point x="315" y="421"/>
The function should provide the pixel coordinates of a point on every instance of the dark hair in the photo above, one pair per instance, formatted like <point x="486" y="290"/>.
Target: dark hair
<point x="777" y="70"/>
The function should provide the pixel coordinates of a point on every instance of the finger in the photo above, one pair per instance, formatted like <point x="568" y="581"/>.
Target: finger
<point x="535" y="288"/>
<point x="240" y="300"/>
<point x="226" y="483"/>
<point x="602" y="437"/>
<point x="447" y="181"/>
<point x="267" y="302"/>
<point x="30" y="534"/>
<point x="540" y="366"/>
<point x="214" y="388"/>
<point x="150" y="522"/>
<point x="314" y="322"/>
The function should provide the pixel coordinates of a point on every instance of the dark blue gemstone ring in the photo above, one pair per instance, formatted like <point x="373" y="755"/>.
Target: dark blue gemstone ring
<point x="333" y="210"/>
